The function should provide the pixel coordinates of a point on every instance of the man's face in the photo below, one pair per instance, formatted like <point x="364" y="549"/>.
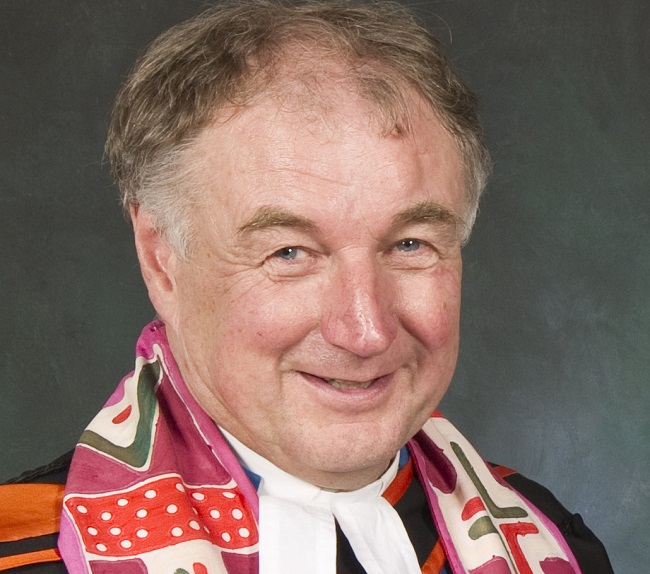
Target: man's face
<point x="318" y="317"/>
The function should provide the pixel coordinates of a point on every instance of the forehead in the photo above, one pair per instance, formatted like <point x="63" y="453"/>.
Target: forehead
<point x="328" y="152"/>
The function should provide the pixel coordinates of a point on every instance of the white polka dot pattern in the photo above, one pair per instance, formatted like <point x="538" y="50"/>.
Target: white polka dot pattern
<point x="146" y="518"/>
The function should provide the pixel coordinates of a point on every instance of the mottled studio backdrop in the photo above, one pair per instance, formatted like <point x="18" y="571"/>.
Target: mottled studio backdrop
<point x="553" y="376"/>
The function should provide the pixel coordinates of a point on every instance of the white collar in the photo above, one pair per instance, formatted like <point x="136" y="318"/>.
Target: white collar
<point x="297" y="530"/>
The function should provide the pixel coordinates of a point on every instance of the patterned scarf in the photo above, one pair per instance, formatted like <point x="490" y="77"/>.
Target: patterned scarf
<point x="155" y="488"/>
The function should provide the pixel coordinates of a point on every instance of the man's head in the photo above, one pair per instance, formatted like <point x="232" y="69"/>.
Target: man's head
<point x="238" y="51"/>
<point x="299" y="224"/>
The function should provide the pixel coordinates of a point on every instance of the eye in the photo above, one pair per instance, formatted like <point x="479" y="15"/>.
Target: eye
<point x="291" y="261"/>
<point x="288" y="253"/>
<point x="408" y="245"/>
<point x="411" y="253"/>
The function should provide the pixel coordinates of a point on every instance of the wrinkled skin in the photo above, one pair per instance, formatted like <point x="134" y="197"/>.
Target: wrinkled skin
<point x="317" y="319"/>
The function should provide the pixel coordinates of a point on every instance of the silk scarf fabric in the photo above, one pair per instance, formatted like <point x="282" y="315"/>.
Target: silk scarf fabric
<point x="155" y="488"/>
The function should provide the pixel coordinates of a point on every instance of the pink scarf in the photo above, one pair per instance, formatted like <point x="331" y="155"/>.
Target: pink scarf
<point x="154" y="487"/>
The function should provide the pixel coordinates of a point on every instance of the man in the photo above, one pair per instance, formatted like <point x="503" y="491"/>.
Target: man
<point x="301" y="180"/>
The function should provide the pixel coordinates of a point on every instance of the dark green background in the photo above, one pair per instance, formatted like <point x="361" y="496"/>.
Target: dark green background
<point x="553" y="375"/>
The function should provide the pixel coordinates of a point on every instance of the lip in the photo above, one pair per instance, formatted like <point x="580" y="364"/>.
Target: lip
<point x="363" y="398"/>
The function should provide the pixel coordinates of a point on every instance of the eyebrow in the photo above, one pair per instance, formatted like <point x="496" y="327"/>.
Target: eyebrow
<point x="425" y="212"/>
<point x="428" y="212"/>
<point x="269" y="217"/>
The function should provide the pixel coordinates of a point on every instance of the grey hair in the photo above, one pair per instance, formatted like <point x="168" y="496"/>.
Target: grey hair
<point x="236" y="51"/>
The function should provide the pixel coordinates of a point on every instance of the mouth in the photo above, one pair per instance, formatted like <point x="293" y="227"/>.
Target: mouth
<point x="351" y="396"/>
<point x="343" y="385"/>
<point x="348" y="386"/>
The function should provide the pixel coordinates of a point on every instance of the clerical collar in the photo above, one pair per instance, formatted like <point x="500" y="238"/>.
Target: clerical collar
<point x="297" y="528"/>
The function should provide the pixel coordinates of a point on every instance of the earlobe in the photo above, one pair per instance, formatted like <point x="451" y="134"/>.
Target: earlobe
<point x="158" y="263"/>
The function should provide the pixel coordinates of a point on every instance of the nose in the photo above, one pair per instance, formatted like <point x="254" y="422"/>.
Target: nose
<point x="358" y="310"/>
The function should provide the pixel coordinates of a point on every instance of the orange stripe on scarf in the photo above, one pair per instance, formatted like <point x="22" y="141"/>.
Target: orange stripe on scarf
<point x="39" y="557"/>
<point x="400" y="484"/>
<point x="28" y="510"/>
<point x="436" y="560"/>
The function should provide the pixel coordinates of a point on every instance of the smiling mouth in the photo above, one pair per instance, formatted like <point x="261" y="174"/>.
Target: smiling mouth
<point x="344" y="385"/>
<point x="347" y="385"/>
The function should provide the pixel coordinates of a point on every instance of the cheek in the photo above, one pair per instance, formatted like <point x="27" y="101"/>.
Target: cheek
<point x="268" y="320"/>
<point x="431" y="309"/>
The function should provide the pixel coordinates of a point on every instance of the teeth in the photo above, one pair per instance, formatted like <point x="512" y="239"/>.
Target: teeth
<point x="345" y="385"/>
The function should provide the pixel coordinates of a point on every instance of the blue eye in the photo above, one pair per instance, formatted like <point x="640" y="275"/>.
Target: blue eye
<point x="408" y="245"/>
<point x="288" y="253"/>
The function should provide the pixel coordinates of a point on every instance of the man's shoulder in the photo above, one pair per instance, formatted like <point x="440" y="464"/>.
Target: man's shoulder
<point x="30" y="508"/>
<point x="30" y="511"/>
<point x="585" y="545"/>
<point x="55" y="472"/>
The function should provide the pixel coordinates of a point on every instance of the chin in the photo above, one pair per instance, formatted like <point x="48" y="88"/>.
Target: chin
<point x="351" y="455"/>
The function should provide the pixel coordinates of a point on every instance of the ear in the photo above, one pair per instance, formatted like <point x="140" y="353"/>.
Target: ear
<point x="158" y="264"/>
